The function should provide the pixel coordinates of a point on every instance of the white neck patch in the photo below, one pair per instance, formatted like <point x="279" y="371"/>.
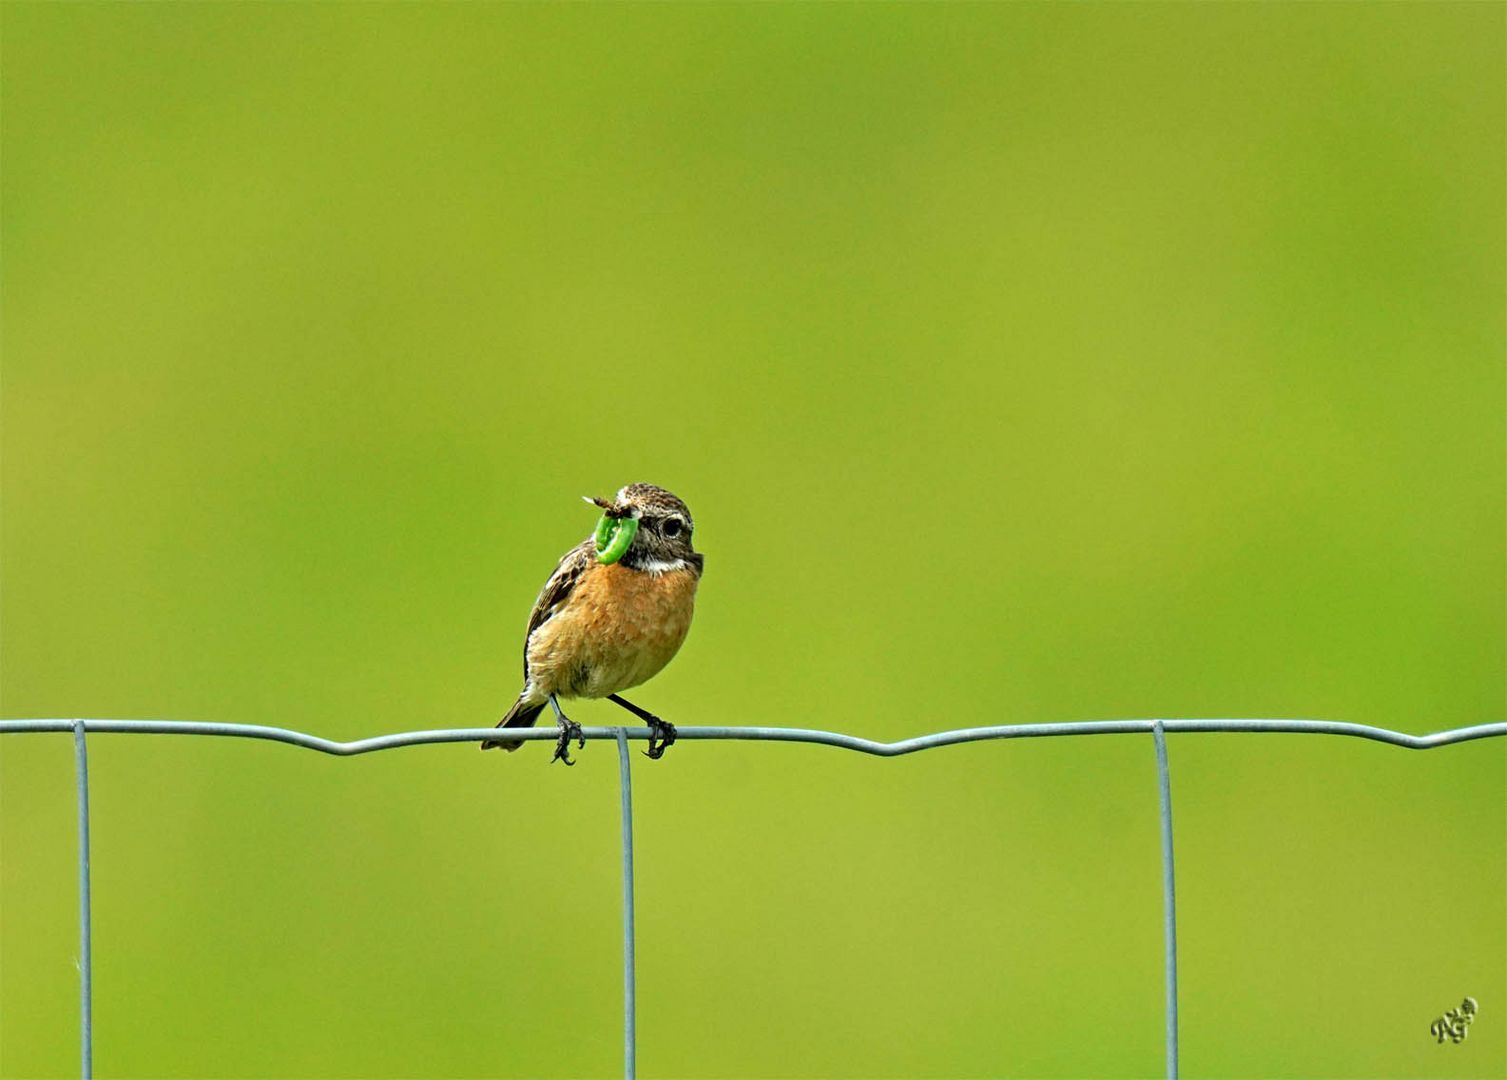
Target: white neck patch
<point x="662" y="566"/>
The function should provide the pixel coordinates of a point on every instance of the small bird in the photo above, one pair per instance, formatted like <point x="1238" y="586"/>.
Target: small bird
<point x="611" y="616"/>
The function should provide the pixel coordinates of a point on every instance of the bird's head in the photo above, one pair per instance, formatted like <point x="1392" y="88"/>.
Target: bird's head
<point x="646" y="527"/>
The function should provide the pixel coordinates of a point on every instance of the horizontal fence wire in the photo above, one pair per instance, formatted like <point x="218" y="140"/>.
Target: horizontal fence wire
<point x="622" y="735"/>
<point x="762" y="734"/>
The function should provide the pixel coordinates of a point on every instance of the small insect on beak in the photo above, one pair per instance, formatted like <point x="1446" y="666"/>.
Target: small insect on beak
<point x="611" y="508"/>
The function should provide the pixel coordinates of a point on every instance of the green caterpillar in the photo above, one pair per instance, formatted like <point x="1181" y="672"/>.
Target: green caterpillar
<point x="613" y="536"/>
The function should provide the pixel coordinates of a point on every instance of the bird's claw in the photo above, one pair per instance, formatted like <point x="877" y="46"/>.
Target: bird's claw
<point x="569" y="729"/>
<point x="661" y="737"/>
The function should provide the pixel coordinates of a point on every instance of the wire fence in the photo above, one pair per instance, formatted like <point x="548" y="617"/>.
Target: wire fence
<point x="623" y="735"/>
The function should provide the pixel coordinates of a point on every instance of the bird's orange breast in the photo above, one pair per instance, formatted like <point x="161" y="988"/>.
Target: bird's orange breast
<point x="618" y="628"/>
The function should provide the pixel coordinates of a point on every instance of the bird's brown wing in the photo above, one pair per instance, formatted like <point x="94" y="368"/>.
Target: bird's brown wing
<point x="557" y="590"/>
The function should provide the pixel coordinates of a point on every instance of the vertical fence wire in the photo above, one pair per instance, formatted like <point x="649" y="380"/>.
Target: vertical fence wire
<point x="85" y="959"/>
<point x="630" y="1022"/>
<point x="1169" y="895"/>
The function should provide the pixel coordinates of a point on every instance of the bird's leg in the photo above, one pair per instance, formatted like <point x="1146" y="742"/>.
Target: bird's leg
<point x="569" y="729"/>
<point x="661" y="734"/>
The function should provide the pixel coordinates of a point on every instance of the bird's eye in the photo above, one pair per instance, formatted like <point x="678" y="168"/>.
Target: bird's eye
<point x="672" y="526"/>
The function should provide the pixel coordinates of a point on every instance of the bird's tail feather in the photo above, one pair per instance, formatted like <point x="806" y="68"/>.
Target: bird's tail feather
<point x="522" y="714"/>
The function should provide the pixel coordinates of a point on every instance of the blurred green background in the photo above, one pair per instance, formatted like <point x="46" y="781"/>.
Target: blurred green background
<point x="1020" y="363"/>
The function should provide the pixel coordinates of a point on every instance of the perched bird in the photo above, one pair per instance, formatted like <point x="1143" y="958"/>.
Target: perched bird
<point x="613" y="613"/>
